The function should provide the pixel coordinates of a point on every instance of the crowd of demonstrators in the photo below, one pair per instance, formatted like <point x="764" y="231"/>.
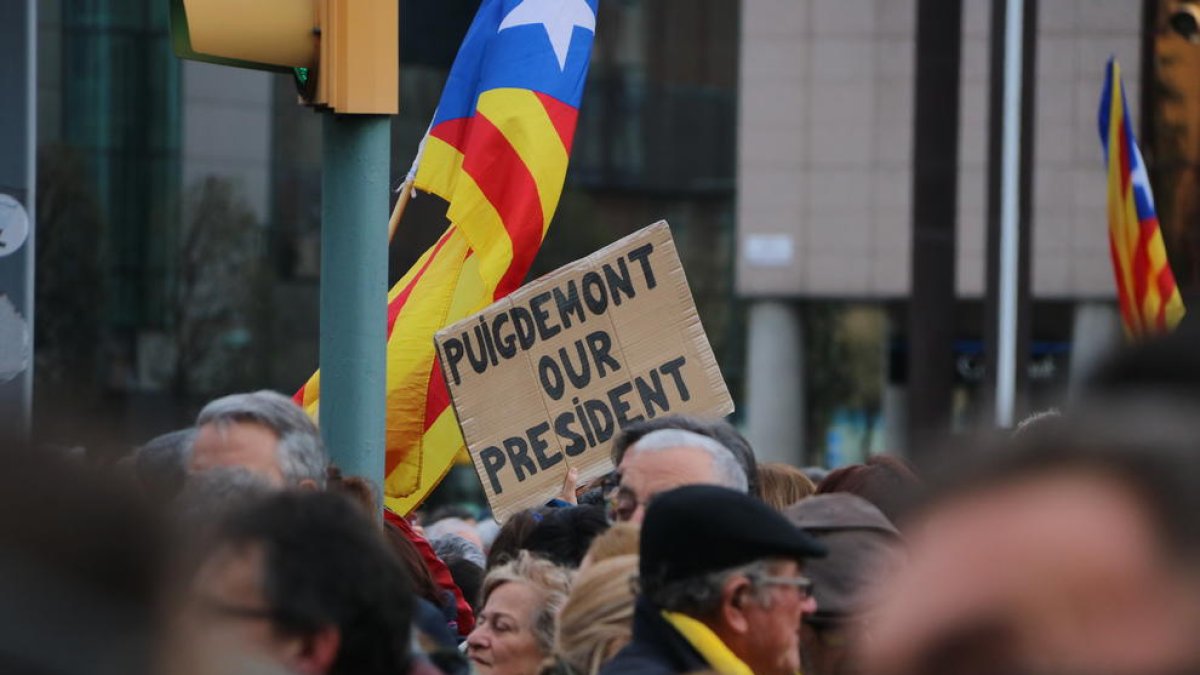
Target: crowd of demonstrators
<point x="1071" y="546"/>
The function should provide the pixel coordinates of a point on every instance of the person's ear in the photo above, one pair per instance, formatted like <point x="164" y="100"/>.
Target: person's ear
<point x="308" y="485"/>
<point x="318" y="651"/>
<point x="734" y="598"/>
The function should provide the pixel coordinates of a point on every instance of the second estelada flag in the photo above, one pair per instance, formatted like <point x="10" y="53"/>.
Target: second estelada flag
<point x="1146" y="290"/>
<point x="497" y="150"/>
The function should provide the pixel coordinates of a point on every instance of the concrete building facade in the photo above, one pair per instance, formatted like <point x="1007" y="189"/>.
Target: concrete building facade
<point x="825" y="157"/>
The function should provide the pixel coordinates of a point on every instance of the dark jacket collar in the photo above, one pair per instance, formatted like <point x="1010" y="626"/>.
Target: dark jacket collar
<point x="656" y="647"/>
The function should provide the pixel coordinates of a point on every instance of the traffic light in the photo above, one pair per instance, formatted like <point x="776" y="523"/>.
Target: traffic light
<point x="344" y="54"/>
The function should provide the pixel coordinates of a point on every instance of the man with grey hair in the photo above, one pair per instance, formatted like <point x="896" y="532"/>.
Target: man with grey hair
<point x="263" y="432"/>
<point x="666" y="459"/>
<point x="721" y="587"/>
<point x="715" y="428"/>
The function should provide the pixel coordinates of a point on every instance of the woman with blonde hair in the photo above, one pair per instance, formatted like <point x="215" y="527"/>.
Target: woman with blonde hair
<point x="597" y="620"/>
<point x="782" y="485"/>
<point x="514" y="632"/>
<point x="620" y="539"/>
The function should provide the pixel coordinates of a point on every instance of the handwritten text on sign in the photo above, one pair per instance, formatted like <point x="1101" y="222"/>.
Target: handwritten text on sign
<point x="546" y="377"/>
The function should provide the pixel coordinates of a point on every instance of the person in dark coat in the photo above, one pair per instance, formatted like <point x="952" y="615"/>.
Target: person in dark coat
<point x="720" y="587"/>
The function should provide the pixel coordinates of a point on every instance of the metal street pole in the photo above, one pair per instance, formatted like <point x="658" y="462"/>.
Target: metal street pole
<point x="18" y="154"/>
<point x="1006" y="359"/>
<point x="1024" y="307"/>
<point x="354" y="264"/>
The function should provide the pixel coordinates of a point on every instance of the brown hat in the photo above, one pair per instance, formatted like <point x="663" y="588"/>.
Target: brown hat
<point x="860" y="539"/>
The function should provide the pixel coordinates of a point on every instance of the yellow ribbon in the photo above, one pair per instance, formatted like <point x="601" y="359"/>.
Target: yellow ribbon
<point x="708" y="644"/>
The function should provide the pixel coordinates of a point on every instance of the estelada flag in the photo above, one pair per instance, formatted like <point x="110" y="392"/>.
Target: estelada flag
<point x="497" y="151"/>
<point x="1146" y="291"/>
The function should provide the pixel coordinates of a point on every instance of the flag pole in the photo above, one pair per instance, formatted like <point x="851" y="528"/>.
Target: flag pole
<point x="1006" y="369"/>
<point x="406" y="189"/>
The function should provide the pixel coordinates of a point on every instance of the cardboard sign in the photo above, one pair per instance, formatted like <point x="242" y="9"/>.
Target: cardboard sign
<point x="545" y="378"/>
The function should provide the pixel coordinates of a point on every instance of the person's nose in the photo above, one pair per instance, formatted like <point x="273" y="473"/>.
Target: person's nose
<point x="478" y="638"/>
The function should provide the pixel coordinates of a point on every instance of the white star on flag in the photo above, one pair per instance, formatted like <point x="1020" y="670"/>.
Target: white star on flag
<point x="558" y="17"/>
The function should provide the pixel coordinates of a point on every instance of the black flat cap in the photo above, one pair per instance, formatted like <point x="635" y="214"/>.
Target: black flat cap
<point x="699" y="529"/>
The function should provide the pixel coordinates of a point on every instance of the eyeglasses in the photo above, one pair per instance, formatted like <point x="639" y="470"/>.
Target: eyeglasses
<point x="281" y="618"/>
<point x="215" y="607"/>
<point x="802" y="584"/>
<point x="621" y="505"/>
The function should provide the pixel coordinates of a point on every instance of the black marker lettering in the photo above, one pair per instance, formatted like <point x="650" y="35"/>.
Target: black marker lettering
<point x="672" y="368"/>
<point x="550" y="375"/>
<point x="518" y="456"/>
<point x="493" y="461"/>
<point x="642" y="255"/>
<point x="539" y="446"/>
<point x="600" y="344"/>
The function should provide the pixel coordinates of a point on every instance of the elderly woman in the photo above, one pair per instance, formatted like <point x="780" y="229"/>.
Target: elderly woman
<point x="515" y="630"/>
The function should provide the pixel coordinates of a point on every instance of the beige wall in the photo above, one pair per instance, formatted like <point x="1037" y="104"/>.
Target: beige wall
<point x="825" y="145"/>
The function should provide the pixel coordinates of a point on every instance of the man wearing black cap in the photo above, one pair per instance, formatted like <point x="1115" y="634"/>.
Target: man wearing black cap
<point x="721" y="587"/>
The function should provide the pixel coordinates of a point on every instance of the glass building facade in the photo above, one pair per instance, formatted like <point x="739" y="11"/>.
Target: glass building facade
<point x="119" y="110"/>
<point x="656" y="139"/>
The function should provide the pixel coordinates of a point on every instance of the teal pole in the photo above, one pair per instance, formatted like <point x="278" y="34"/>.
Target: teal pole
<point x="354" y="255"/>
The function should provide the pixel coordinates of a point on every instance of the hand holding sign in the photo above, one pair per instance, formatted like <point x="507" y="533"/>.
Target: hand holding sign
<point x="547" y="376"/>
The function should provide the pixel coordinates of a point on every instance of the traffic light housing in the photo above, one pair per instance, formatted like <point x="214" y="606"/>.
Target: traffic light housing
<point x="344" y="53"/>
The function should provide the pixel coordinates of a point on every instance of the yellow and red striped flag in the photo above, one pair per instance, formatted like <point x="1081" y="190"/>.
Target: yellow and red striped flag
<point x="497" y="151"/>
<point x="1146" y="291"/>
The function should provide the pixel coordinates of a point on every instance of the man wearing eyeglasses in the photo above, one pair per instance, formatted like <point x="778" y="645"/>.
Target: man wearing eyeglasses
<point x="665" y="459"/>
<point x="304" y="581"/>
<point x="721" y="587"/>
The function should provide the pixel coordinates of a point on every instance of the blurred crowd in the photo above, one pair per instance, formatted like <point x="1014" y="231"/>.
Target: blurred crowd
<point x="1069" y="546"/>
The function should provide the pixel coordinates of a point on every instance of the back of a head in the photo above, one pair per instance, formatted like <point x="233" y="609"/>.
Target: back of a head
<point x="469" y="578"/>
<point x="782" y="485"/>
<point x="564" y="534"/>
<point x="301" y="452"/>
<point x="885" y="481"/>
<point x="512" y="535"/>
<point x="415" y="568"/>
<point x="453" y="547"/>
<point x="161" y="464"/>
<point x="210" y="495"/>
<point x="1167" y="365"/>
<point x="597" y="619"/>
<point x="455" y="527"/>
<point x="82" y="570"/>
<point x="717" y="429"/>
<point x="620" y="539"/>
<point x="728" y="472"/>
<point x="327" y="565"/>
<point x="862" y="545"/>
